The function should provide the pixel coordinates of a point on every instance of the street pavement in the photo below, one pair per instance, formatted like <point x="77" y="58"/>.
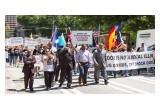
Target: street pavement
<point x="136" y="84"/>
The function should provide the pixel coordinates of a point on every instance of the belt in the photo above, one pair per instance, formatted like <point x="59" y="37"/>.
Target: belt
<point x="84" y="63"/>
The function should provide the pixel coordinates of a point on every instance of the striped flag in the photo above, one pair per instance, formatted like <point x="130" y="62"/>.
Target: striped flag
<point x="69" y="34"/>
<point x="96" y="32"/>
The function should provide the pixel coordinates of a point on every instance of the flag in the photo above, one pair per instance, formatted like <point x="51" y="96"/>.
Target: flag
<point x="54" y="38"/>
<point x="110" y="41"/>
<point x="96" y="32"/>
<point x="69" y="34"/>
<point x="118" y="27"/>
<point x="119" y="40"/>
<point x="62" y="40"/>
<point x="30" y="37"/>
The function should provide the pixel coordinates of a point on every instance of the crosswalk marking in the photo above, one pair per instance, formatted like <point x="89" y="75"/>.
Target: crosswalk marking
<point x="76" y="91"/>
<point x="147" y="79"/>
<point x="118" y="88"/>
<point x="142" y="80"/>
<point x="129" y="87"/>
<point x="65" y="91"/>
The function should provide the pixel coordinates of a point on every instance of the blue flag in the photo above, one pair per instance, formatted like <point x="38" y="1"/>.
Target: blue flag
<point x="54" y="38"/>
<point x="62" y="40"/>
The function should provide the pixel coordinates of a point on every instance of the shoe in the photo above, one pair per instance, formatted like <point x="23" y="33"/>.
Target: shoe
<point x="85" y="85"/>
<point x="69" y="86"/>
<point x="38" y="74"/>
<point x="126" y="75"/>
<point x="60" y="85"/>
<point x="106" y="82"/>
<point x="47" y="89"/>
<point x="80" y="81"/>
<point x="25" y="90"/>
<point x="97" y="82"/>
<point x="31" y="90"/>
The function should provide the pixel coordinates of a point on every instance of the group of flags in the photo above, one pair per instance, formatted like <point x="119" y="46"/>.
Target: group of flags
<point x="111" y="40"/>
<point x="114" y="37"/>
<point x="60" y="40"/>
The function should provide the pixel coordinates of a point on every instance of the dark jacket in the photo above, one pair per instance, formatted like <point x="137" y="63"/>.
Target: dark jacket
<point x="66" y="59"/>
<point x="29" y="62"/>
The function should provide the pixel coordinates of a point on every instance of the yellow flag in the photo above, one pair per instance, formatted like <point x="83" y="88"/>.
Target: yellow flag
<point x="31" y="36"/>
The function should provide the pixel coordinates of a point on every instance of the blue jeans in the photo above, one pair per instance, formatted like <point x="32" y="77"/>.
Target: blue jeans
<point x="83" y="73"/>
<point x="20" y="58"/>
<point x="11" y="59"/>
<point x="125" y="72"/>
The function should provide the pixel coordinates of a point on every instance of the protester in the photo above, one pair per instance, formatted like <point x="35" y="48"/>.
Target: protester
<point x="21" y="54"/>
<point x="131" y="71"/>
<point x="16" y="56"/>
<point x="124" y="72"/>
<point x="114" y="50"/>
<point x="48" y="63"/>
<point x="7" y="54"/>
<point x="100" y="61"/>
<point x="139" y="50"/>
<point x="83" y="59"/>
<point x="29" y="61"/>
<point x="11" y="56"/>
<point x="67" y="66"/>
<point x="36" y="53"/>
<point x="57" y="64"/>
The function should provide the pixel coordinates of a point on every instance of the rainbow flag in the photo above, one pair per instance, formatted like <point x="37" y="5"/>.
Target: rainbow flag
<point x="110" y="41"/>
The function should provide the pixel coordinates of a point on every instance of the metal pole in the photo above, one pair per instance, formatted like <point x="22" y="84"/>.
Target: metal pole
<point x="53" y="23"/>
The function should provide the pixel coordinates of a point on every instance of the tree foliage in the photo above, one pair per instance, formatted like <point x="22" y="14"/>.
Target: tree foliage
<point x="43" y="23"/>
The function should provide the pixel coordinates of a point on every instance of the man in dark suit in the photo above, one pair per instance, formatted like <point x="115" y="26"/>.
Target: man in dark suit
<point x="29" y="61"/>
<point x="66" y="66"/>
<point x="100" y="60"/>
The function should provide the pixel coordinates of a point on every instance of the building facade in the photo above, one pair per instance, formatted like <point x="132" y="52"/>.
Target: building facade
<point x="11" y="24"/>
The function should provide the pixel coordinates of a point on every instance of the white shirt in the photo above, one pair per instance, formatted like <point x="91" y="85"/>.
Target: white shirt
<point x="48" y="65"/>
<point x="83" y="56"/>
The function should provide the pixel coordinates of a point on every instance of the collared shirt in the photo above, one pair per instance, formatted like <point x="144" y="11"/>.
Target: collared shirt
<point x="83" y="56"/>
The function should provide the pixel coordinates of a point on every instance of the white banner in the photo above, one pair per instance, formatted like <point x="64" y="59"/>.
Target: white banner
<point x="43" y="41"/>
<point x="128" y="60"/>
<point x="7" y="42"/>
<point x="82" y="37"/>
<point x="31" y="43"/>
<point x="16" y="41"/>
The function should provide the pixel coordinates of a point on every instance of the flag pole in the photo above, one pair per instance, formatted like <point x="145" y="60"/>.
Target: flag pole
<point x="53" y="23"/>
<point x="99" y="32"/>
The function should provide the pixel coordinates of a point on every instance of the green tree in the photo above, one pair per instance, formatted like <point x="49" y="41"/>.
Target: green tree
<point x="43" y="23"/>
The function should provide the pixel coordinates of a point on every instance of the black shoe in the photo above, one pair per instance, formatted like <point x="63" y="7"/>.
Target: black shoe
<point x="31" y="90"/>
<point x="25" y="90"/>
<point x="97" y="82"/>
<point x="60" y="85"/>
<point x="47" y="89"/>
<point x="106" y="82"/>
<point x="69" y="85"/>
<point x="38" y="74"/>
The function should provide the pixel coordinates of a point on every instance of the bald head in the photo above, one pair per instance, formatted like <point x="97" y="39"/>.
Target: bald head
<point x="101" y="46"/>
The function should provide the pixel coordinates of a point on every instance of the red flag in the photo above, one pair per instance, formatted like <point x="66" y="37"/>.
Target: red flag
<point x="110" y="41"/>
